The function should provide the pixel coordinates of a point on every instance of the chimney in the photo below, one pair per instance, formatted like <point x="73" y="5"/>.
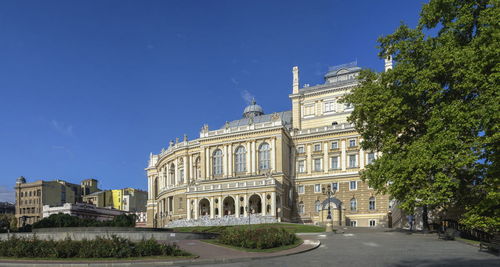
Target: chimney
<point x="295" y="72"/>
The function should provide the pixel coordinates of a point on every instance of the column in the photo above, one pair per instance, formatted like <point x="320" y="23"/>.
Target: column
<point x="230" y="161"/>
<point x="202" y="164"/>
<point x="225" y="162"/>
<point x="309" y="159"/>
<point x="273" y="204"/>
<point x="325" y="158"/>
<point x="263" y="202"/>
<point x="245" y="203"/>
<point x="207" y="164"/>
<point x="186" y="169"/>
<point x="212" y="207"/>
<point x="150" y="189"/>
<point x="196" y="206"/>
<point x="167" y="174"/>
<point x="237" y="205"/>
<point x="273" y="154"/>
<point x="343" y="156"/>
<point x="176" y="171"/>
<point x="248" y="158"/>
<point x="254" y="167"/>
<point x="173" y="205"/>
<point x="191" y="170"/>
<point x="188" y="206"/>
<point x="221" y="213"/>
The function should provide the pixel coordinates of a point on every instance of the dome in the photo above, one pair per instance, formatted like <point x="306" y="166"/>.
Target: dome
<point x="253" y="110"/>
<point x="21" y="180"/>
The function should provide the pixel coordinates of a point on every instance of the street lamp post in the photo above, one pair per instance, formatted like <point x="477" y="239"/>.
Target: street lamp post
<point x="248" y="214"/>
<point x="329" y="222"/>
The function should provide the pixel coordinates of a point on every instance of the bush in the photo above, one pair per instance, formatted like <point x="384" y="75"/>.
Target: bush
<point x="257" y="238"/>
<point x="114" y="247"/>
<point x="66" y="220"/>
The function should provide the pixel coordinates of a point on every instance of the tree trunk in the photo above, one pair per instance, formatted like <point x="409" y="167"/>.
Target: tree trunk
<point x="425" y="218"/>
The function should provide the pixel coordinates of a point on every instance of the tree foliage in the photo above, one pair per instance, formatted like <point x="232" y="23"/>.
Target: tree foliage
<point x="435" y="116"/>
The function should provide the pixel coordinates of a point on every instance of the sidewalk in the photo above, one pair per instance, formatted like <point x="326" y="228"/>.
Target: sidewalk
<point x="210" y="251"/>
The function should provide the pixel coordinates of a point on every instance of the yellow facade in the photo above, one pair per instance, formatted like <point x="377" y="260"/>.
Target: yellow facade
<point x="276" y="166"/>
<point x="117" y="198"/>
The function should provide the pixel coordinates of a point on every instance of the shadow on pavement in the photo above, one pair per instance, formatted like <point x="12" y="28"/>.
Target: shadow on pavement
<point x="449" y="262"/>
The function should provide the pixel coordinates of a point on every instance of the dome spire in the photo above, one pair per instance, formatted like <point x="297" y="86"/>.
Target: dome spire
<point x="253" y="110"/>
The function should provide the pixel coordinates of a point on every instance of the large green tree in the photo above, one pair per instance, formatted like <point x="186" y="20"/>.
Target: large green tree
<point x="435" y="116"/>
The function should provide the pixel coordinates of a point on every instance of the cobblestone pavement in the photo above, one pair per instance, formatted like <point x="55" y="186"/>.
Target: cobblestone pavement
<point x="369" y="248"/>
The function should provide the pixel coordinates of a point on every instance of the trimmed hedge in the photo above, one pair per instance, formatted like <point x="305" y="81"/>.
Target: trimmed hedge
<point x="66" y="220"/>
<point x="114" y="247"/>
<point x="257" y="238"/>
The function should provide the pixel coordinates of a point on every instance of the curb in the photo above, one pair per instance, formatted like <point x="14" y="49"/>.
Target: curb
<point x="316" y="244"/>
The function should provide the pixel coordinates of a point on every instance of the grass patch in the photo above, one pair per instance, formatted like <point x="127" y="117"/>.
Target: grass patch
<point x="145" y="258"/>
<point x="472" y="242"/>
<point x="290" y="227"/>
<point x="268" y="250"/>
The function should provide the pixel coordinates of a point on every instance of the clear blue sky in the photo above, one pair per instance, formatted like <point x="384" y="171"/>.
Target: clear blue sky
<point x="90" y="88"/>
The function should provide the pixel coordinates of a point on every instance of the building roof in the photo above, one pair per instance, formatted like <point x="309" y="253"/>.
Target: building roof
<point x="285" y="116"/>
<point x="253" y="110"/>
<point x="337" y="76"/>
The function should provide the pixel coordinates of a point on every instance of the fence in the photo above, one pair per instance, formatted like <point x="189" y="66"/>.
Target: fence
<point x="465" y="232"/>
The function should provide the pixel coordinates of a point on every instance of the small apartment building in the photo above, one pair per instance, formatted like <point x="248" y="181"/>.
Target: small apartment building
<point x="31" y="197"/>
<point x="126" y="199"/>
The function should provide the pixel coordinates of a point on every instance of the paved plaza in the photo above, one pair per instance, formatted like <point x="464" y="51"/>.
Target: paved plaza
<point x="369" y="248"/>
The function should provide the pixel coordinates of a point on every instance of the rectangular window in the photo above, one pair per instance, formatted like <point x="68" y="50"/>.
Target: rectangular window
<point x="335" y="186"/>
<point x="371" y="158"/>
<point x="301" y="166"/>
<point x="352" y="161"/>
<point x="354" y="223"/>
<point x="373" y="223"/>
<point x="300" y="149"/>
<point x="353" y="185"/>
<point x="317" y="165"/>
<point x="330" y="106"/>
<point x="352" y="142"/>
<point x="309" y="110"/>
<point x="300" y="189"/>
<point x="317" y="188"/>
<point x="334" y="163"/>
<point x="335" y="145"/>
<point x="317" y="147"/>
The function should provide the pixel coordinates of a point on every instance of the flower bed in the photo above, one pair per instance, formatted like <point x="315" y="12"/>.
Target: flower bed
<point x="114" y="247"/>
<point x="262" y="238"/>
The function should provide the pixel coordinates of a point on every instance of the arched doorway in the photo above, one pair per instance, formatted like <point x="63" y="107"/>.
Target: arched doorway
<point x="228" y="205"/>
<point x="204" y="207"/>
<point x="335" y="208"/>
<point x="255" y="203"/>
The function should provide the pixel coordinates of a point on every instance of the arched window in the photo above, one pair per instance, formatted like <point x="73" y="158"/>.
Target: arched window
<point x="240" y="159"/>
<point x="301" y="208"/>
<point x="371" y="203"/>
<point x="264" y="157"/>
<point x="217" y="162"/>
<point x="197" y="168"/>
<point x="318" y="206"/>
<point x="172" y="174"/>
<point x="354" y="204"/>
<point x="180" y="167"/>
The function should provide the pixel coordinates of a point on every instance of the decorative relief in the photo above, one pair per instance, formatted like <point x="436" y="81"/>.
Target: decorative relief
<point x="275" y="116"/>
